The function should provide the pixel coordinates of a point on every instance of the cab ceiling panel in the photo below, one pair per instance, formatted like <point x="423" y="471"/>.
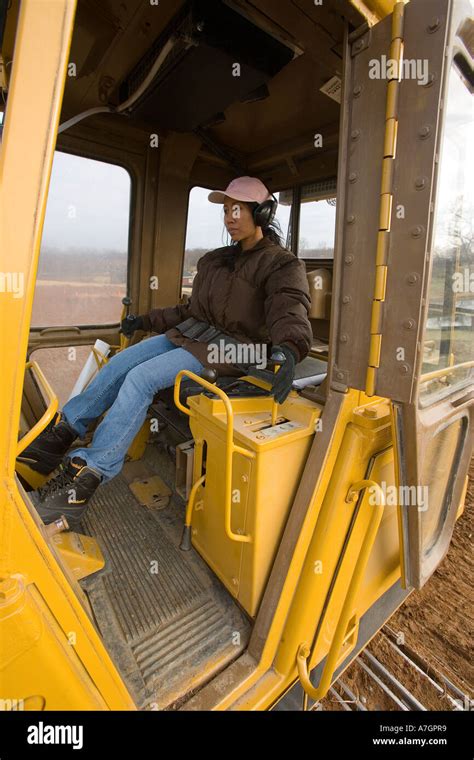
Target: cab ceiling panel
<point x="296" y="107"/>
<point x="196" y="82"/>
<point x="95" y="28"/>
<point x="109" y="37"/>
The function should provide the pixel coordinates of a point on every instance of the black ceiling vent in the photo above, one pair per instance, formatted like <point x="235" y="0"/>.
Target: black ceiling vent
<point x="197" y="82"/>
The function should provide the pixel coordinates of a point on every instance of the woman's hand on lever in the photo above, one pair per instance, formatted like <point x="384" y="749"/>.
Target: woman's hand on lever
<point x="130" y="324"/>
<point x="284" y="376"/>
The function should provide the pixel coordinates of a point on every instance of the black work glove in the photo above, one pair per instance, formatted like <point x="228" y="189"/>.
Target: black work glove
<point x="284" y="376"/>
<point x="130" y="324"/>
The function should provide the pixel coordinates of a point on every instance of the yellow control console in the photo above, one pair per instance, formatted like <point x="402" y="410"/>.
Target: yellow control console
<point x="246" y="472"/>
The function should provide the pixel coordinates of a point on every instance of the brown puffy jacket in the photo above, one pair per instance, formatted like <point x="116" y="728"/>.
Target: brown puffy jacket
<point x="260" y="295"/>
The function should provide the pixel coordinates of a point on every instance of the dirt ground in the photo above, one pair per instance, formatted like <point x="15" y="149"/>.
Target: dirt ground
<point x="437" y="624"/>
<point x="76" y="303"/>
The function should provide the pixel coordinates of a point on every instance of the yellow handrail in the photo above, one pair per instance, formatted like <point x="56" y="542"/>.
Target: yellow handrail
<point x="445" y="371"/>
<point x="304" y="651"/>
<point x="231" y="447"/>
<point x="51" y="409"/>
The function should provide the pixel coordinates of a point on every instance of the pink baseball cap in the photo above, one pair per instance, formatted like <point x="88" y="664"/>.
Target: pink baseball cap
<point x="248" y="189"/>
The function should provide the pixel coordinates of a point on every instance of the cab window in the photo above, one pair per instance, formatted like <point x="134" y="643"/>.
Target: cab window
<point x="205" y="231"/>
<point x="449" y="330"/>
<point x="285" y="216"/>
<point x="317" y="220"/>
<point x="82" y="271"/>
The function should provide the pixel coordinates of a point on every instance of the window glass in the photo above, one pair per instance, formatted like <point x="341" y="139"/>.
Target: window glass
<point x="440" y="464"/>
<point x="317" y="221"/>
<point x="283" y="215"/>
<point x="61" y="367"/>
<point x="449" y="331"/>
<point x="82" y="272"/>
<point x="205" y="231"/>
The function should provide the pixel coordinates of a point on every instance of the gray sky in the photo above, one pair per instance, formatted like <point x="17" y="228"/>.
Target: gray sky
<point x="205" y="222"/>
<point x="88" y="205"/>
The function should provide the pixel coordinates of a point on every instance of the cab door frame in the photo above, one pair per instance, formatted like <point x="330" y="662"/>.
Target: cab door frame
<point x="385" y="258"/>
<point x="433" y="433"/>
<point x="26" y="157"/>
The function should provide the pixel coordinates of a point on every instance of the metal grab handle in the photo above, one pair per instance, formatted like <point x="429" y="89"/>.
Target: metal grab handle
<point x="66" y="328"/>
<point x="304" y="651"/>
<point x="445" y="371"/>
<point x="50" y="412"/>
<point x="185" y="544"/>
<point x="230" y="448"/>
<point x="463" y="400"/>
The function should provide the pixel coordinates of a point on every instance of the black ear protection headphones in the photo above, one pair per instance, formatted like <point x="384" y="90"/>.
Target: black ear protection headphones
<point x="264" y="212"/>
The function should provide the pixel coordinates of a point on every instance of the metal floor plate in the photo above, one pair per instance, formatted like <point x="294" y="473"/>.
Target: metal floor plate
<point x="165" y="618"/>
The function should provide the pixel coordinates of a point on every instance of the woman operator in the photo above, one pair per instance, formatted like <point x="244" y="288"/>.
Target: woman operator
<point x="252" y="291"/>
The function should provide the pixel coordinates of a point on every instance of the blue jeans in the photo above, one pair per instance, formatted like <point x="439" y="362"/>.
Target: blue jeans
<point x="125" y="386"/>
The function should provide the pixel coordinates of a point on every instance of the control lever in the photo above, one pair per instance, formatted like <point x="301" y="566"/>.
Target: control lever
<point x="126" y="301"/>
<point x="277" y="358"/>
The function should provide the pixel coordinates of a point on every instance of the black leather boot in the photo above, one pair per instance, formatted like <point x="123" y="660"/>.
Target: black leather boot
<point x="47" y="451"/>
<point x="68" y="493"/>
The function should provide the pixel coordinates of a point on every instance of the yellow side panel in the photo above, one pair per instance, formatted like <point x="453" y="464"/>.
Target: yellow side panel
<point x="32" y="644"/>
<point x="263" y="488"/>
